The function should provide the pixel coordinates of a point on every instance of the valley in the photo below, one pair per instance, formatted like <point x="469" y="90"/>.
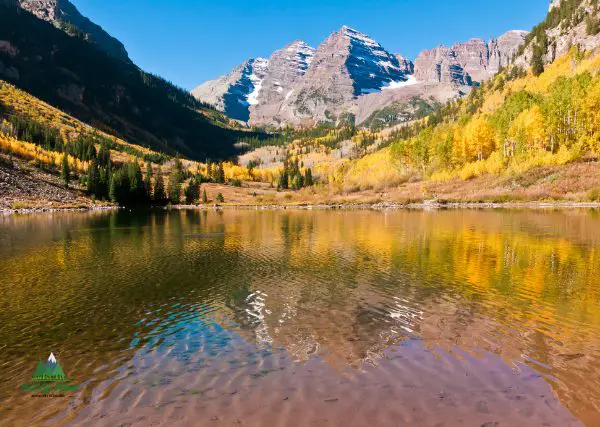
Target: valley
<point x="476" y="122"/>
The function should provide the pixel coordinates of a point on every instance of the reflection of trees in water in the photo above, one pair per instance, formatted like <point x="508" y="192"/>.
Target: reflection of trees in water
<point x="344" y="285"/>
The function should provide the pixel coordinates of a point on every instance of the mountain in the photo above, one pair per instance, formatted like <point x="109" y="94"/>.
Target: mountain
<point x="64" y="15"/>
<point x="234" y="93"/>
<point x="267" y="79"/>
<point x="286" y="67"/>
<point x="347" y="64"/>
<point x="108" y="93"/>
<point x="352" y="77"/>
<point x="472" y="61"/>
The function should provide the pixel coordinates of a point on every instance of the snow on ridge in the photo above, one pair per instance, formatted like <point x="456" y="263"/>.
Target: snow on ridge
<point x="261" y="65"/>
<point x="411" y="80"/>
<point x="387" y="64"/>
<point x="351" y="33"/>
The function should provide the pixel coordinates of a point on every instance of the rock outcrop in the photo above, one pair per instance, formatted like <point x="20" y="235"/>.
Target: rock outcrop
<point x="63" y="14"/>
<point x="572" y="30"/>
<point x="472" y="61"/>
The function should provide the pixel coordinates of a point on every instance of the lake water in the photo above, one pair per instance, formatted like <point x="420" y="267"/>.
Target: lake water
<point x="298" y="318"/>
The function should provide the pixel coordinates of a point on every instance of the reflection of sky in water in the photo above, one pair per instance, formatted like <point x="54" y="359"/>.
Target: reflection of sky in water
<point x="246" y="294"/>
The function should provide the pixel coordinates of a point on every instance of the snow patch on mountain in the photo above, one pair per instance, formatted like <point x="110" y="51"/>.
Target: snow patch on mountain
<point x="411" y="80"/>
<point x="370" y="66"/>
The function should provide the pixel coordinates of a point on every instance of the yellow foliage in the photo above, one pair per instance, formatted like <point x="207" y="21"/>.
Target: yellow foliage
<point x="529" y="128"/>
<point x="478" y="140"/>
<point x="373" y="171"/>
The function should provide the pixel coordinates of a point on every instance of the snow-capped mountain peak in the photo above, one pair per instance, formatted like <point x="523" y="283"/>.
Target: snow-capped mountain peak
<point x="51" y="358"/>
<point x="370" y="66"/>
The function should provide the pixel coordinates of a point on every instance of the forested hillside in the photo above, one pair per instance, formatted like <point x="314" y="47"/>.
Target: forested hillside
<point x="110" y="94"/>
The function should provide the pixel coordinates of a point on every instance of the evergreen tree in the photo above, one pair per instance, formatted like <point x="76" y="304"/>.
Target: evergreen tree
<point x="120" y="187"/>
<point x="537" y="61"/>
<point x="220" y="198"/>
<point x="103" y="156"/>
<point x="192" y="192"/>
<point x="175" y="181"/>
<point x="283" y="180"/>
<point x="65" y="173"/>
<point x="148" y="181"/>
<point x="204" y="197"/>
<point x="220" y="175"/>
<point x="112" y="189"/>
<point x="93" y="181"/>
<point x="159" y="188"/>
<point x="308" y="180"/>
<point x="174" y="188"/>
<point x="137" y="193"/>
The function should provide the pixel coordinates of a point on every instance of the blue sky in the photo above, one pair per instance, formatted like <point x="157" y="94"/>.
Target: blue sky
<point x="190" y="41"/>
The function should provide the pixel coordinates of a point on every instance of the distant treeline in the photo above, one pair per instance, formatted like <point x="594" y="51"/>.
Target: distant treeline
<point x="82" y="147"/>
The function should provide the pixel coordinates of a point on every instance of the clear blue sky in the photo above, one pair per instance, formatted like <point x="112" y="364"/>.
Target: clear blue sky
<point x="190" y="41"/>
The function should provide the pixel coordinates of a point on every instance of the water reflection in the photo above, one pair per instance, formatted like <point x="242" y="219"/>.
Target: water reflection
<point x="195" y="308"/>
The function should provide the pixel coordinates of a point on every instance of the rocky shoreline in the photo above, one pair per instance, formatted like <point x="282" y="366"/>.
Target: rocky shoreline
<point x="427" y="205"/>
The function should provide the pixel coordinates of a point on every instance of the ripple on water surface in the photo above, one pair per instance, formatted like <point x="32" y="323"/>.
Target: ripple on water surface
<point x="304" y="318"/>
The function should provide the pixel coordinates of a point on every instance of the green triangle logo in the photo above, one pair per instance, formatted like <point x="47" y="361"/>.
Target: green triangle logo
<point x="50" y="371"/>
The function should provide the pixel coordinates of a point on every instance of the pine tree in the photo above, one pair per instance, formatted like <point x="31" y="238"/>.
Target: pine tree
<point x="174" y="188"/>
<point x="93" y="181"/>
<point x="136" y="183"/>
<point x="308" y="180"/>
<point x="175" y="181"/>
<point x="220" y="198"/>
<point x="112" y="188"/>
<point x="148" y="181"/>
<point x="159" y="188"/>
<point x="537" y="61"/>
<point x="283" y="180"/>
<point x="192" y="192"/>
<point x="204" y="197"/>
<point x="65" y="173"/>
<point x="220" y="176"/>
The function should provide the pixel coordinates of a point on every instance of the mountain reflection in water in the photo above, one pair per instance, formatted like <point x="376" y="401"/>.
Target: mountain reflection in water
<point x="304" y="317"/>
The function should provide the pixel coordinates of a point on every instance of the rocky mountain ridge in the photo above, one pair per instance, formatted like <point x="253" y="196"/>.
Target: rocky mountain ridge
<point x="569" y="23"/>
<point x="468" y="62"/>
<point x="351" y="76"/>
<point x="64" y="15"/>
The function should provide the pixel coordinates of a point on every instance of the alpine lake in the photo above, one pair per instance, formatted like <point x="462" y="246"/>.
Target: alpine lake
<point x="301" y="318"/>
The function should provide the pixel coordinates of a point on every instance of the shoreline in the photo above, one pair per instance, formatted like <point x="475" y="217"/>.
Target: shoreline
<point x="425" y="206"/>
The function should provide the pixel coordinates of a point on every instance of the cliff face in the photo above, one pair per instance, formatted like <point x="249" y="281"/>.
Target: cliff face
<point x="473" y="61"/>
<point x="568" y="24"/>
<point x="61" y="13"/>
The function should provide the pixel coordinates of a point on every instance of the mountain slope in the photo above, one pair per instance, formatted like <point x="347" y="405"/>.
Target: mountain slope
<point x="234" y="93"/>
<point x="286" y="67"/>
<point x="568" y="23"/>
<point x="110" y="94"/>
<point x="258" y="86"/>
<point x="63" y="14"/>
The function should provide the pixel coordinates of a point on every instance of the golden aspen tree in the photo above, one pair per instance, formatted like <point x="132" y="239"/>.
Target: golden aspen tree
<point x="529" y="130"/>
<point x="479" y="139"/>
